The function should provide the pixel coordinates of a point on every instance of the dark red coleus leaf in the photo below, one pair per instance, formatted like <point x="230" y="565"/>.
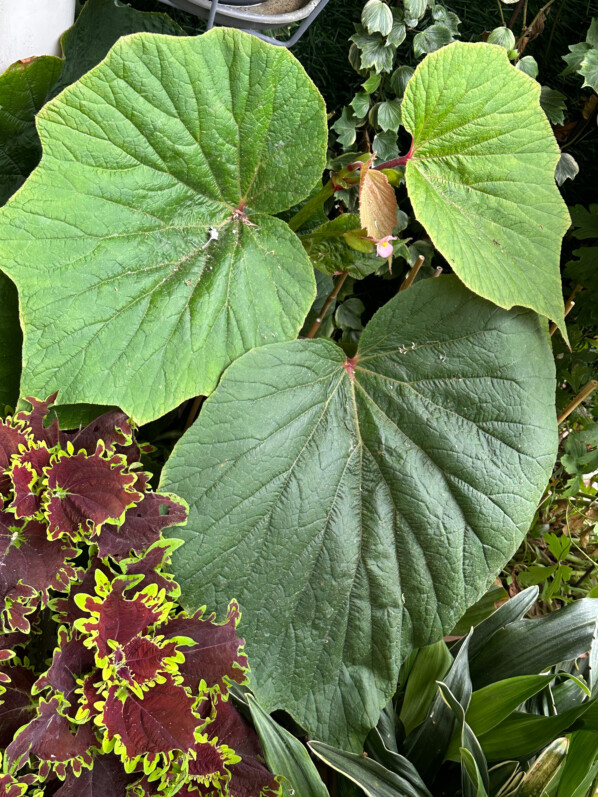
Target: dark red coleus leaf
<point x="141" y="660"/>
<point x="159" y="722"/>
<point x="15" y="787"/>
<point x="113" y="428"/>
<point x="90" y="695"/>
<point x="142" y="525"/>
<point x="30" y="565"/>
<point x="249" y="777"/>
<point x="28" y="480"/>
<point x="16" y="706"/>
<point x="7" y="643"/>
<point x="66" y="608"/>
<point x="86" y="491"/>
<point x="208" y="768"/>
<point x="119" y="618"/>
<point x="10" y="440"/>
<point x="216" y="656"/>
<point x="71" y="660"/>
<point x="34" y="419"/>
<point x="49" y="738"/>
<point x="107" y="778"/>
<point x="151" y="566"/>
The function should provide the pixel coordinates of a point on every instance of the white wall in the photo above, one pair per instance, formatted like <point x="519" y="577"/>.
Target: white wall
<point x="32" y="27"/>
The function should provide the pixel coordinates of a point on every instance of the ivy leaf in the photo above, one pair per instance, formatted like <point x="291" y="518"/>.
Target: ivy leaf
<point x="147" y="294"/>
<point x="376" y="17"/>
<point x="553" y="103"/>
<point x="375" y="53"/>
<point x="345" y="128"/>
<point x="481" y="180"/>
<point x="399" y="79"/>
<point x="504" y="37"/>
<point x="398" y="32"/>
<point x="566" y="169"/>
<point x="372" y="83"/>
<point x="413" y="10"/>
<point x="589" y="69"/>
<point x="24" y="88"/>
<point x="217" y="658"/>
<point x="432" y="39"/>
<point x="575" y="58"/>
<point x="360" y="104"/>
<point x="528" y="65"/>
<point x="389" y="115"/>
<point x="448" y="18"/>
<point x="377" y="202"/>
<point x="160" y="721"/>
<point x="585" y="220"/>
<point x="385" y="145"/>
<point x="386" y="492"/>
<point x="336" y="246"/>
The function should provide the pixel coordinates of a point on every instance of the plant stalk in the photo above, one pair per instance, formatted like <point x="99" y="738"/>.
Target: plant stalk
<point x="335" y="292"/>
<point x="569" y="305"/>
<point x="581" y="396"/>
<point x="408" y="281"/>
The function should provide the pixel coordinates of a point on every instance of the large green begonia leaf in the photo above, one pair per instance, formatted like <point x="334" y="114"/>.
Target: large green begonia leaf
<point x="356" y="508"/>
<point x="140" y="277"/>
<point x="481" y="179"/>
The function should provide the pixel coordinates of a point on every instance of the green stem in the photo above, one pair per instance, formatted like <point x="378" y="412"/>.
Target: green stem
<point x="502" y="16"/>
<point x="311" y="206"/>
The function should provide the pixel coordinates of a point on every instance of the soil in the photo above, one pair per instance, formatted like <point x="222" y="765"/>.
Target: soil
<point x="274" y="6"/>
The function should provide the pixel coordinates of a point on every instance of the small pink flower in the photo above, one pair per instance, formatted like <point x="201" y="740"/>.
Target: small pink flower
<point x="384" y="246"/>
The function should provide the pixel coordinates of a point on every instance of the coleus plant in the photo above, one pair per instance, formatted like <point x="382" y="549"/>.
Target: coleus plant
<point x="136" y="694"/>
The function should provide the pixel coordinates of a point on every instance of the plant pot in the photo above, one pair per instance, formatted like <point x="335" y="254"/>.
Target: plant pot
<point x="257" y="15"/>
<point x="32" y="27"/>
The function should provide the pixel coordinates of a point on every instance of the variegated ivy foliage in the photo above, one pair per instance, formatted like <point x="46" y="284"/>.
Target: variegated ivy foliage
<point x="135" y="698"/>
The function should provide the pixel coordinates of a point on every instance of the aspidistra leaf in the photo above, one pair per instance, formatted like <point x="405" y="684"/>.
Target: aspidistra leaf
<point x="134" y="223"/>
<point x="385" y="492"/>
<point x="481" y="179"/>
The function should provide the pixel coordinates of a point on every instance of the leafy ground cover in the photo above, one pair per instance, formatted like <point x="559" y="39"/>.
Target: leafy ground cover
<point x="367" y="493"/>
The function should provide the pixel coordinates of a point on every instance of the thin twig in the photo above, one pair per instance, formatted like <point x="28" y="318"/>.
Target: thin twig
<point x="502" y="16"/>
<point x="408" y="281"/>
<point x="438" y="272"/>
<point x="515" y="14"/>
<point x="193" y="411"/>
<point x="583" y="394"/>
<point x="527" y="28"/>
<point x="318" y="322"/>
<point x="569" y="305"/>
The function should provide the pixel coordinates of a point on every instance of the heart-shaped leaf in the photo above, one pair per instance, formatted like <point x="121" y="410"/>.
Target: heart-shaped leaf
<point x="141" y="245"/>
<point x="362" y="505"/>
<point x="481" y="179"/>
